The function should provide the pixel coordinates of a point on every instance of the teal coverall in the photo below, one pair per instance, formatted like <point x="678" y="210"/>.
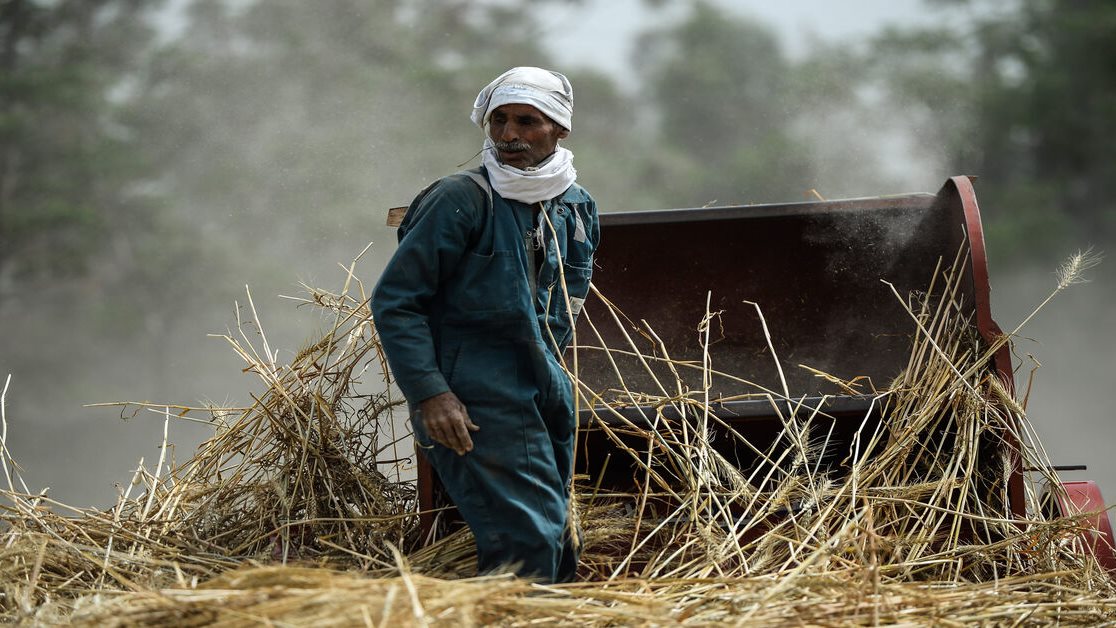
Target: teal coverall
<point x="472" y="303"/>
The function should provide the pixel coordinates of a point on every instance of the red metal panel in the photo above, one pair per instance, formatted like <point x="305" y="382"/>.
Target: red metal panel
<point x="989" y="330"/>
<point x="814" y="269"/>
<point x="1085" y="497"/>
<point x="427" y="506"/>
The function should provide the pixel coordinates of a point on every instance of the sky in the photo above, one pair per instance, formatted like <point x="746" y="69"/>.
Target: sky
<point x="611" y="25"/>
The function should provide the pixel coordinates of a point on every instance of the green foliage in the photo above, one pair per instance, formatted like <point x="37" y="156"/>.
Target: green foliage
<point x="156" y="157"/>
<point x="275" y="132"/>
<point x="1024" y="94"/>
<point x="291" y="122"/>
<point x="66" y="163"/>
<point x="720" y="89"/>
<point x="606" y="141"/>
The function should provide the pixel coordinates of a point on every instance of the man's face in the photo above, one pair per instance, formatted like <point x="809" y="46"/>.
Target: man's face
<point x="523" y="135"/>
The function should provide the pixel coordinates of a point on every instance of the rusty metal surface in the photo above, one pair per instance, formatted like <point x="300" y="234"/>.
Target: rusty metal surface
<point x="757" y="422"/>
<point x="958" y="194"/>
<point x="816" y="270"/>
<point x="743" y="411"/>
<point x="820" y="273"/>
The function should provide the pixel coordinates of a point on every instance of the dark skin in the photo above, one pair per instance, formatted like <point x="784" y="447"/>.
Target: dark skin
<point x="447" y="422"/>
<point x="524" y="138"/>
<point x="532" y="135"/>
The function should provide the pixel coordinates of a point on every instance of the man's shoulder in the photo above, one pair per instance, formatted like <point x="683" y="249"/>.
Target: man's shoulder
<point x="461" y="189"/>
<point x="576" y="194"/>
<point x="463" y="182"/>
<point x="455" y="197"/>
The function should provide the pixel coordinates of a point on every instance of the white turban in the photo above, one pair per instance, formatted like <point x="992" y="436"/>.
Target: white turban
<point x="547" y="91"/>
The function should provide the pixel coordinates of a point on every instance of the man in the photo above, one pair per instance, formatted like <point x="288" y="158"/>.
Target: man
<point x="474" y="311"/>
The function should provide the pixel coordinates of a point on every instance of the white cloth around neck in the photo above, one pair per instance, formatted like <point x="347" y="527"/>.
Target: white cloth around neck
<point x="549" y="180"/>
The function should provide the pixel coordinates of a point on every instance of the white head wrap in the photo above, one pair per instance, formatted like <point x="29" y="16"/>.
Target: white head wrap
<point x="550" y="93"/>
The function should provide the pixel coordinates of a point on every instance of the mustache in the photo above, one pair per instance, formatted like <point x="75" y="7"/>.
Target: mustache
<point x="511" y="147"/>
<point x="507" y="147"/>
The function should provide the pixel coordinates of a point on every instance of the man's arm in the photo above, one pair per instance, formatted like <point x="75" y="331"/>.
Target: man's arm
<point x="447" y="421"/>
<point x="433" y="238"/>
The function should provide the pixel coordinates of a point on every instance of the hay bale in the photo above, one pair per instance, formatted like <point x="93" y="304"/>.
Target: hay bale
<point x="300" y="510"/>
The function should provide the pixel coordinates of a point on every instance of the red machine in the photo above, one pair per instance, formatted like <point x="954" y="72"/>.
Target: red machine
<point x="815" y="268"/>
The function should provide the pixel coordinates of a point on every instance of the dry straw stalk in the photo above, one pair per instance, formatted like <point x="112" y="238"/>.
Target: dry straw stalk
<point x="301" y="509"/>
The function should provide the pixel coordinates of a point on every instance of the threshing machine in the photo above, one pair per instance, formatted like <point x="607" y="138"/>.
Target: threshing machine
<point x="824" y="277"/>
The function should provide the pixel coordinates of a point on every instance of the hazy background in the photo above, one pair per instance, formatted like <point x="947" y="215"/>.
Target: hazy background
<point x="158" y="156"/>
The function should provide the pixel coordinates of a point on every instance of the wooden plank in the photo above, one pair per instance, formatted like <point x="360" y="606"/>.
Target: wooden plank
<point x="395" y="216"/>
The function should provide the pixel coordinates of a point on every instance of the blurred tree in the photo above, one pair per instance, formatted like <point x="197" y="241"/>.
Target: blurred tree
<point x="67" y="162"/>
<point x="286" y="128"/>
<point x="1053" y="108"/>
<point x="255" y="136"/>
<point x="1024" y="95"/>
<point x="721" y="94"/>
<point x="240" y="142"/>
<point x="607" y="142"/>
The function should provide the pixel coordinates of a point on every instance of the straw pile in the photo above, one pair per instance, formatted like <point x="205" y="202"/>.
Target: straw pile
<point x="301" y="510"/>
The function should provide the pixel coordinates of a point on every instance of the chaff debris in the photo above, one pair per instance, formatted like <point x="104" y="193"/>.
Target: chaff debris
<point x="301" y="509"/>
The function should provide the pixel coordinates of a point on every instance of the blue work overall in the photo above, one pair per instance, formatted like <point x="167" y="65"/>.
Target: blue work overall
<point x="472" y="303"/>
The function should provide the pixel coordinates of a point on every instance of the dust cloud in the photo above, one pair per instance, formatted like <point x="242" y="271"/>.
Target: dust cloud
<point x="1070" y="402"/>
<point x="327" y="160"/>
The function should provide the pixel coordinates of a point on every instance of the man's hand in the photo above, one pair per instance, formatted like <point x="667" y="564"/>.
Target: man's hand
<point x="447" y="422"/>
